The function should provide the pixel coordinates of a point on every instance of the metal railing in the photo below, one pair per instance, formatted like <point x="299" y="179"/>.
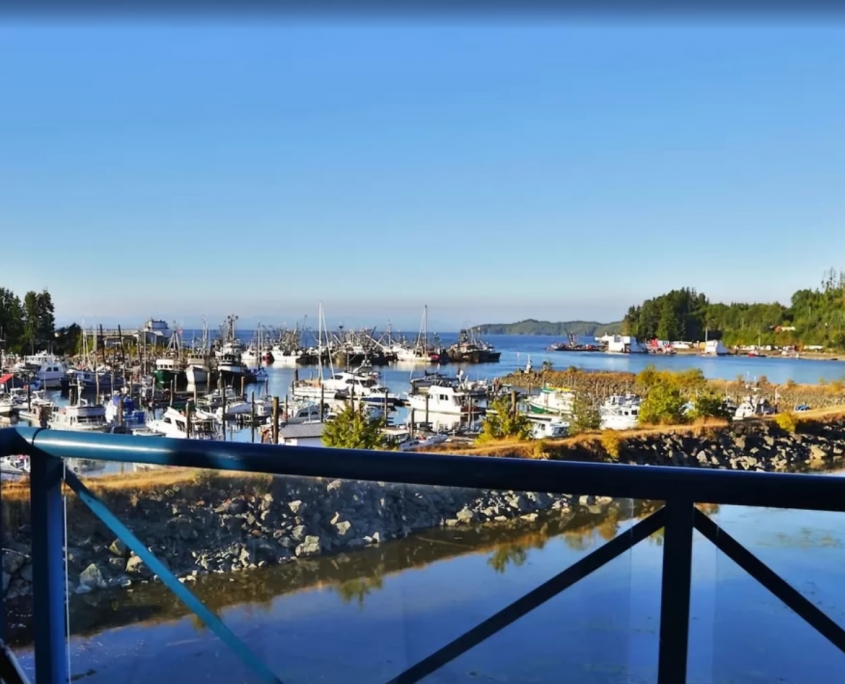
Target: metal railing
<point x="680" y="489"/>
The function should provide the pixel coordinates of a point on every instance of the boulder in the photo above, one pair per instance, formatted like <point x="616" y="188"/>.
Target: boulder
<point x="465" y="515"/>
<point x="343" y="528"/>
<point x="92" y="577"/>
<point x="119" y="549"/>
<point x="298" y="533"/>
<point x="309" y="547"/>
<point x="136" y="566"/>
<point x="13" y="561"/>
<point x="296" y="507"/>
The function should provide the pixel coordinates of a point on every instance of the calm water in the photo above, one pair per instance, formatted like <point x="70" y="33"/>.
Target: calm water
<point x="365" y="616"/>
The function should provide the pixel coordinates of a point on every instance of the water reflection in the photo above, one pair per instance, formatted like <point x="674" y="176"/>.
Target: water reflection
<point x="353" y="577"/>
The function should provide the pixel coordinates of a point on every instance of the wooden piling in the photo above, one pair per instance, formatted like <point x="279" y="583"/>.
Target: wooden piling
<point x="252" y="418"/>
<point x="275" y="420"/>
<point x="223" y="415"/>
<point x="243" y="385"/>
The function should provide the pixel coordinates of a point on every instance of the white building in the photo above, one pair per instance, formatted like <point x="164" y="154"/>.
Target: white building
<point x="302" y="434"/>
<point x="622" y="344"/>
<point x="715" y="348"/>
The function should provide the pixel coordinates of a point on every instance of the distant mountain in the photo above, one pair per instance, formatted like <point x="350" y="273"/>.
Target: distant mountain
<point x="533" y="327"/>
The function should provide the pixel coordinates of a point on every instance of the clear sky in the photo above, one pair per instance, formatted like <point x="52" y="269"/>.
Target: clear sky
<point x="494" y="172"/>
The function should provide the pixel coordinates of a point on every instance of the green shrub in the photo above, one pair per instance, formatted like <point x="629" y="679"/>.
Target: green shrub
<point x="585" y="415"/>
<point x="663" y="405"/>
<point x="711" y="405"/>
<point x="501" y="422"/>
<point x="352" y="428"/>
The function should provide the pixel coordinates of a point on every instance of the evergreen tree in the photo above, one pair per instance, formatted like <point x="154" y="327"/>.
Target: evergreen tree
<point x="352" y="428"/>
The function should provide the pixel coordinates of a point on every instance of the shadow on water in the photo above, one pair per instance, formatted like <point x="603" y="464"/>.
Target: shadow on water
<point x="351" y="576"/>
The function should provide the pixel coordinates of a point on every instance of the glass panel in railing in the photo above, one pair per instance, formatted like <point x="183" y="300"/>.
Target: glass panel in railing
<point x="755" y="637"/>
<point x="16" y="554"/>
<point x="345" y="581"/>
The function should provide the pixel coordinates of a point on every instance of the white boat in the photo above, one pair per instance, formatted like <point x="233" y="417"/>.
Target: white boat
<point x="753" y="406"/>
<point x="549" y="429"/>
<point x="174" y="424"/>
<point x="421" y="442"/>
<point x="9" y="405"/>
<point x="48" y="369"/>
<point x="620" y="412"/>
<point x="81" y="417"/>
<point x="442" y="399"/>
<point x="557" y="401"/>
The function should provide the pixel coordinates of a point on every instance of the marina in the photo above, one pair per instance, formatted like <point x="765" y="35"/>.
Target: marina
<point x="229" y="387"/>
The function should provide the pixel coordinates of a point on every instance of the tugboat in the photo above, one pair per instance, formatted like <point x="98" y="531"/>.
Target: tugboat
<point x="470" y="350"/>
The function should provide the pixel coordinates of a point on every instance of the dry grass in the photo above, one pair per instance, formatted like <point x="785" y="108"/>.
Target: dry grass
<point x="136" y="482"/>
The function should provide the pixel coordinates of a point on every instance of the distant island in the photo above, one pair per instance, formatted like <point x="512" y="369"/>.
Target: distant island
<point x="563" y="328"/>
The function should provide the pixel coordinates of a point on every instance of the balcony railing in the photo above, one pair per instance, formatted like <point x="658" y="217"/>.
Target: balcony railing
<point x="679" y="488"/>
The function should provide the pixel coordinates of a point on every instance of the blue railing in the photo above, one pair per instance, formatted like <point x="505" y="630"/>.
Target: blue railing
<point x="679" y="488"/>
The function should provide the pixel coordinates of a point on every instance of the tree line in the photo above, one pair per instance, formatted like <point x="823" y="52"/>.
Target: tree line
<point x="813" y="317"/>
<point x="28" y="325"/>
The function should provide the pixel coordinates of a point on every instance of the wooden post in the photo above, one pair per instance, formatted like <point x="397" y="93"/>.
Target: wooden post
<point x="172" y="389"/>
<point x="252" y="418"/>
<point x="96" y="385"/>
<point x="120" y="411"/>
<point x="287" y="408"/>
<point x="243" y="385"/>
<point x="275" y="420"/>
<point x="29" y="396"/>
<point x="195" y="393"/>
<point x="413" y="426"/>
<point x="322" y="401"/>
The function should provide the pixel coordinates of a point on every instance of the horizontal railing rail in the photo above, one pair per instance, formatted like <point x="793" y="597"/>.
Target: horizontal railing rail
<point x="702" y="485"/>
<point x="679" y="487"/>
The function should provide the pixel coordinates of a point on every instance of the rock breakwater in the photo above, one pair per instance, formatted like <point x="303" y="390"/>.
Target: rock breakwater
<point x="224" y="524"/>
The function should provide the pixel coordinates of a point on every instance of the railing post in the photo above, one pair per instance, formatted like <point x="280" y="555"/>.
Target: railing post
<point x="48" y="579"/>
<point x="675" y="592"/>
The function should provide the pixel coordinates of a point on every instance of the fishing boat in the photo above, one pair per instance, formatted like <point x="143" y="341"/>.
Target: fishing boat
<point x="196" y="370"/>
<point x="103" y="378"/>
<point x="170" y="368"/>
<point x="557" y="401"/>
<point x="468" y="349"/>
<point x="81" y="417"/>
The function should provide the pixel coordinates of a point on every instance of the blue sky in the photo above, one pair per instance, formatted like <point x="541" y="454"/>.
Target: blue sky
<point x="494" y="172"/>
